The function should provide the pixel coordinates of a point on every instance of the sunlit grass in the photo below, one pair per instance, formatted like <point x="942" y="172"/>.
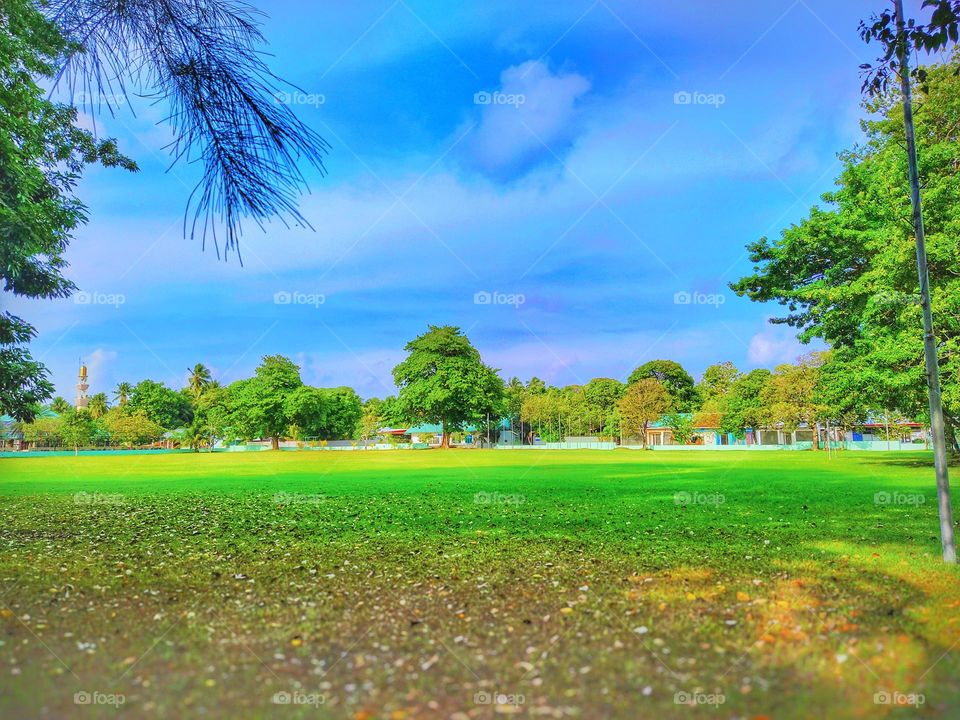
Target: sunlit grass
<point x="417" y="584"/>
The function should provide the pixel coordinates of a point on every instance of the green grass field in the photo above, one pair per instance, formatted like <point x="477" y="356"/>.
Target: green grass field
<point x="437" y="583"/>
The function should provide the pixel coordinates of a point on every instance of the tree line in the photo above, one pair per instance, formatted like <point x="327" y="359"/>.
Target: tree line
<point x="444" y="381"/>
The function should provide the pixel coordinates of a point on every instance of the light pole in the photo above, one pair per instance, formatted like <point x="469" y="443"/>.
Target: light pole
<point x="929" y="340"/>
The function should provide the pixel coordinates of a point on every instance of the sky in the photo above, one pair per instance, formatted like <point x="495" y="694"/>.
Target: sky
<point x="571" y="183"/>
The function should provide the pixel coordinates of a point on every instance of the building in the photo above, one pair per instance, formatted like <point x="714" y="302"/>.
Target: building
<point x="82" y="386"/>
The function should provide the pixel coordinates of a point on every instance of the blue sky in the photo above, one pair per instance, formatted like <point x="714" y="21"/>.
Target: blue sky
<point x="582" y="199"/>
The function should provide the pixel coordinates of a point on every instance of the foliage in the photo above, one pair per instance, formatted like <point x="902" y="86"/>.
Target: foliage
<point x="645" y="401"/>
<point x="168" y="408"/>
<point x="674" y="378"/>
<point x="77" y="428"/>
<point x="790" y="398"/>
<point x="443" y="380"/>
<point x="717" y="381"/>
<point x="682" y="426"/>
<point x="42" y="155"/>
<point x="98" y="405"/>
<point x="743" y="406"/>
<point x="848" y="273"/>
<point x="933" y="36"/>
<point x="260" y="406"/>
<point x="131" y="427"/>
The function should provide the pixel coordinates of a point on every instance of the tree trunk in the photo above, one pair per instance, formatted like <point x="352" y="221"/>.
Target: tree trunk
<point x="816" y="437"/>
<point x="275" y="442"/>
<point x="445" y="440"/>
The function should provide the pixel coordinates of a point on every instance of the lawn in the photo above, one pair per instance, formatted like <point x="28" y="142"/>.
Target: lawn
<point x="473" y="584"/>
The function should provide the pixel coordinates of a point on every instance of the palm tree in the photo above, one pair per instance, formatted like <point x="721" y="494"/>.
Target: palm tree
<point x="199" y="379"/>
<point x="60" y="405"/>
<point x="123" y="392"/>
<point x="98" y="405"/>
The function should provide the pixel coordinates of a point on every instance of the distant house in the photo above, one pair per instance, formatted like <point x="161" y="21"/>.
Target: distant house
<point x="11" y="438"/>
<point x="706" y="431"/>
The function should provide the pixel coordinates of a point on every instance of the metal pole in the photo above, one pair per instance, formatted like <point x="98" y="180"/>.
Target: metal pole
<point x="929" y="341"/>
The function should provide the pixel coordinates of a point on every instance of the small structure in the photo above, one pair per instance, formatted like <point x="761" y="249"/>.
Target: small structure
<point x="82" y="386"/>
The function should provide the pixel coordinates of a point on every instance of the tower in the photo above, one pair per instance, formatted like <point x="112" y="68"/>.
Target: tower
<point x="82" y="387"/>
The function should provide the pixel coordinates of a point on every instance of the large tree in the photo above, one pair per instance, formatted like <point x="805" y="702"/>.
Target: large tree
<point x="743" y="405"/>
<point x="164" y="406"/>
<point x="790" y="396"/>
<point x="674" y="378"/>
<point x="261" y="405"/>
<point x="847" y="273"/>
<point x="443" y="380"/>
<point x="42" y="155"/>
<point x="203" y="61"/>
<point x="645" y="401"/>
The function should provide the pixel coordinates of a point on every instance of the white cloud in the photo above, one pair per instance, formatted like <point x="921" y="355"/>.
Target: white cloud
<point x="773" y="345"/>
<point x="531" y="109"/>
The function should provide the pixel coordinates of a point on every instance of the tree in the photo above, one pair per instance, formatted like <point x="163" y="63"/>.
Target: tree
<point x="166" y="407"/>
<point x="60" y="405"/>
<point x="199" y="379"/>
<point x="674" y="379"/>
<point x="203" y="61"/>
<point x="370" y="419"/>
<point x="789" y="397"/>
<point x="261" y="406"/>
<point x="42" y="154"/>
<point x="77" y="429"/>
<point x="682" y="426"/>
<point x="717" y="381"/>
<point x="122" y="393"/>
<point x="98" y="406"/>
<point x="743" y="407"/>
<point x="131" y="427"/>
<point x="644" y="402"/>
<point x="603" y="397"/>
<point x="443" y="380"/>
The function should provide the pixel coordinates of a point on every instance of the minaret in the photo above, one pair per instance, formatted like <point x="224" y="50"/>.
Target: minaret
<point x="82" y="388"/>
